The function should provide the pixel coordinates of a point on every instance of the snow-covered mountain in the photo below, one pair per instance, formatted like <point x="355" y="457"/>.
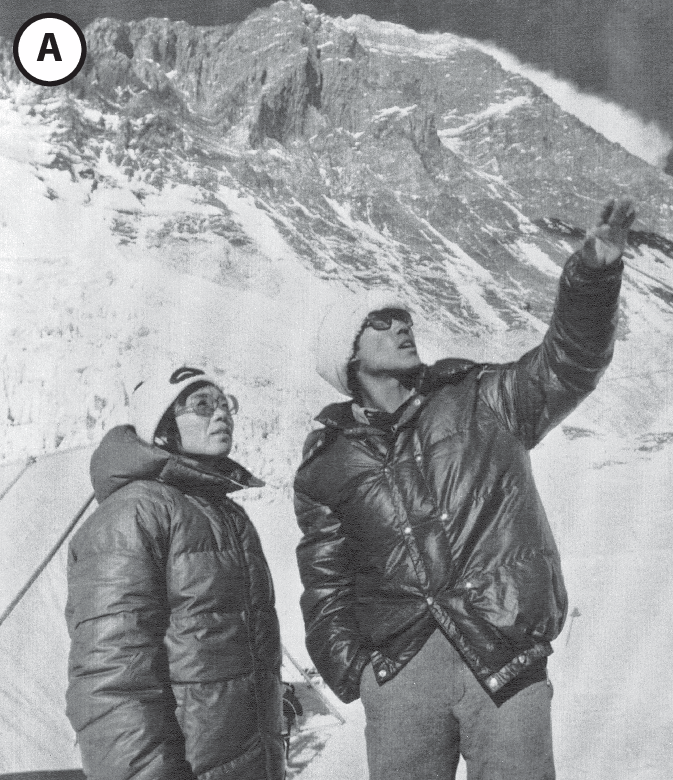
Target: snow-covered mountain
<point x="202" y="194"/>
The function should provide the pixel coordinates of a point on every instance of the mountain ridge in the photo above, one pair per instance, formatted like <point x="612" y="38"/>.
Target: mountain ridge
<point x="368" y="153"/>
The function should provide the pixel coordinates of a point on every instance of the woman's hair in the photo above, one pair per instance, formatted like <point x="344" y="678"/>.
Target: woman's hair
<point x="354" y="381"/>
<point x="167" y="434"/>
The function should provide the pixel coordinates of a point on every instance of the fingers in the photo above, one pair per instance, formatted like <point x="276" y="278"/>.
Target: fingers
<point x="605" y="243"/>
<point x="630" y="219"/>
<point x="607" y="212"/>
<point x="623" y="214"/>
<point x="619" y="214"/>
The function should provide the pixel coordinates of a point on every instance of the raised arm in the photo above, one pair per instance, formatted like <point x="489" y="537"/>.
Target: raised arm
<point x="535" y="393"/>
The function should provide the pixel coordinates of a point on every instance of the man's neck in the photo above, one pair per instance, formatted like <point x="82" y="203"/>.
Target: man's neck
<point x="384" y="393"/>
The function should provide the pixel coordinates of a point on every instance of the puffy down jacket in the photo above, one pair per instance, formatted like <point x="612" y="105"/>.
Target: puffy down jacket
<point x="438" y="522"/>
<point x="175" y="648"/>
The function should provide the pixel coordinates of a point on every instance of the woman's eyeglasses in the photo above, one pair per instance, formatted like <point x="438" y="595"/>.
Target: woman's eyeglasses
<point x="383" y="319"/>
<point x="206" y="406"/>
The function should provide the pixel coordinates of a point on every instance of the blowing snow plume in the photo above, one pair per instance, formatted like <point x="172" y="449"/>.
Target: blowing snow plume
<point x="616" y="50"/>
<point x="200" y="195"/>
<point x="288" y="152"/>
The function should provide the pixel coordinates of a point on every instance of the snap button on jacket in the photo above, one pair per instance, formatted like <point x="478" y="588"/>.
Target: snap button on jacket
<point x="438" y="522"/>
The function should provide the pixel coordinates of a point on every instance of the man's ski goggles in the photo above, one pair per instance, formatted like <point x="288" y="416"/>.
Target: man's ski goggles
<point x="205" y="407"/>
<point x="383" y="319"/>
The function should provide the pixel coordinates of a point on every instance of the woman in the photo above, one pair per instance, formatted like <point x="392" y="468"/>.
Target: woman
<point x="175" y="647"/>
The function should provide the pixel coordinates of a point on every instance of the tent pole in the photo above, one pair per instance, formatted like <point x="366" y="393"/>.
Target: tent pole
<point x="45" y="562"/>
<point x="29" y="462"/>
<point x="328" y="703"/>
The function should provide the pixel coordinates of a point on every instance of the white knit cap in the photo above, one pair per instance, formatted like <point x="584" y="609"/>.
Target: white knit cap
<point x="339" y="329"/>
<point x="153" y="397"/>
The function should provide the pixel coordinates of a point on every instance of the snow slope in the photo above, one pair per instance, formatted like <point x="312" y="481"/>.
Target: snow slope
<point x="99" y="284"/>
<point x="612" y="708"/>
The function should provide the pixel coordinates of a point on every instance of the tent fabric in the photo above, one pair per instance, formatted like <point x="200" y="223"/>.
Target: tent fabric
<point x="35" y="735"/>
<point x="36" y="740"/>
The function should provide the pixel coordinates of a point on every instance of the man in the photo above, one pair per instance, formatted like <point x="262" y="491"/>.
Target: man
<point x="433" y="585"/>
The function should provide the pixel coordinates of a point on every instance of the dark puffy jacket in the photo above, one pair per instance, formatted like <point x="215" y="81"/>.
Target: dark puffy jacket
<point x="438" y="522"/>
<point x="175" y="646"/>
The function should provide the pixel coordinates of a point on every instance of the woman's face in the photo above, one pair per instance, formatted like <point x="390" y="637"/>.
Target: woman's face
<point x="203" y="432"/>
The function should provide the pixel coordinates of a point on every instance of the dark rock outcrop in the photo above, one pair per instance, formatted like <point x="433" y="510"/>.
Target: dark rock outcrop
<point x="342" y="126"/>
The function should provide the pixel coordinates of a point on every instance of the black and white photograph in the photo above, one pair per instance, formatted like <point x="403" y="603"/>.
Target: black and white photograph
<point x="336" y="414"/>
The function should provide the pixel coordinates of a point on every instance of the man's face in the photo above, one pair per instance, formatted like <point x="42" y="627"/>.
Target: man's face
<point x="202" y="433"/>
<point x="389" y="350"/>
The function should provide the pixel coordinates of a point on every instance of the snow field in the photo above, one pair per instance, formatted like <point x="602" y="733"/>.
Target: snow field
<point x="83" y="318"/>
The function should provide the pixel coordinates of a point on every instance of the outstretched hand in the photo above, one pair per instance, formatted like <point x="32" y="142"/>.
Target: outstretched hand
<point x="605" y="243"/>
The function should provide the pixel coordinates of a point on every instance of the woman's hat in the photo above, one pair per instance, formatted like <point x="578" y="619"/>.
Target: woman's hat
<point x="152" y="397"/>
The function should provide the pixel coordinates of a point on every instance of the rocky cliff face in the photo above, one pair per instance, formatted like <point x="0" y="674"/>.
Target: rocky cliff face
<point x="381" y="156"/>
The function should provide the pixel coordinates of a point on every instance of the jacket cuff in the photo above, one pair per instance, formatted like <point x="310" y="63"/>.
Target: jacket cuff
<point x="362" y="659"/>
<point x="349" y="689"/>
<point x="595" y="273"/>
<point x="384" y="668"/>
<point x="581" y="285"/>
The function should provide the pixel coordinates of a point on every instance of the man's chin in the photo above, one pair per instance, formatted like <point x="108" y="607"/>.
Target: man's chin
<point x="411" y="363"/>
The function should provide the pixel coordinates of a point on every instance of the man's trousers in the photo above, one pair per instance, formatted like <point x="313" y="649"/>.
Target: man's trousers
<point x="419" y="723"/>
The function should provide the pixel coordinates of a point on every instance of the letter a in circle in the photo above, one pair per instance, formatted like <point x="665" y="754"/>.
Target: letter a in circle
<point x="49" y="49"/>
<point x="49" y="39"/>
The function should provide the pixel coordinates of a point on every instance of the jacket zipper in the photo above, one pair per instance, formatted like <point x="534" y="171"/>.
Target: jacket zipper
<point x="248" y="615"/>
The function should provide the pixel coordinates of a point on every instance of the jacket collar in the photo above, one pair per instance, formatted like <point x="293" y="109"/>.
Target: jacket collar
<point x="122" y="458"/>
<point x="430" y="378"/>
